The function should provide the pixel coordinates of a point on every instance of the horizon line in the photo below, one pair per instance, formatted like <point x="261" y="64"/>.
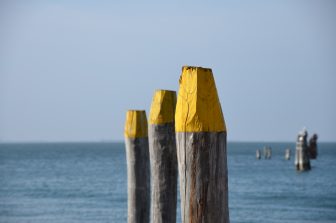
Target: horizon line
<point x="122" y="141"/>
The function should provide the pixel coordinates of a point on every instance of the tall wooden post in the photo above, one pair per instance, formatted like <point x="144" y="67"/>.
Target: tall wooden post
<point x="302" y="161"/>
<point x="201" y="148"/>
<point x="137" y="156"/>
<point x="163" y="159"/>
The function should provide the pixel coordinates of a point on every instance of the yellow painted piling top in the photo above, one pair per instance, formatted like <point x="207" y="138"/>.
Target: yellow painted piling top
<point x="136" y="124"/>
<point x="163" y="107"/>
<point x="198" y="108"/>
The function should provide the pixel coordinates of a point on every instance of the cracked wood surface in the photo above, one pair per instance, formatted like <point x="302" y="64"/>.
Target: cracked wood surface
<point x="138" y="181"/>
<point x="163" y="160"/>
<point x="202" y="165"/>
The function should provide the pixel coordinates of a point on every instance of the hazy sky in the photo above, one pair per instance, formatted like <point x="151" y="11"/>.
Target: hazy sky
<point x="69" y="70"/>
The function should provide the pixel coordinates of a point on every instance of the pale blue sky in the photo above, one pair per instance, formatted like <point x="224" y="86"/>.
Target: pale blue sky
<point x="69" y="70"/>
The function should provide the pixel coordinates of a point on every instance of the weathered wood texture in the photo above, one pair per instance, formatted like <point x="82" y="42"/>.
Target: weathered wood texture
<point x="203" y="176"/>
<point x="138" y="181"/>
<point x="302" y="161"/>
<point x="163" y="160"/>
<point x="201" y="148"/>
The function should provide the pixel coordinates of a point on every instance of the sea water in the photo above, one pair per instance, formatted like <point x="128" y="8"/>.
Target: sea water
<point x="87" y="182"/>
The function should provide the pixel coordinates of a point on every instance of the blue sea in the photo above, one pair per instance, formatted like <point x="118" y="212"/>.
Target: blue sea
<point x="87" y="182"/>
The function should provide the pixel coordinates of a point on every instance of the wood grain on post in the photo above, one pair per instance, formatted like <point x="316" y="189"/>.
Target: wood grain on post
<point x="137" y="156"/>
<point x="201" y="148"/>
<point x="163" y="158"/>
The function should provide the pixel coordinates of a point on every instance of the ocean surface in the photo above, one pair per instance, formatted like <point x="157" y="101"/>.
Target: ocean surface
<point x="87" y="182"/>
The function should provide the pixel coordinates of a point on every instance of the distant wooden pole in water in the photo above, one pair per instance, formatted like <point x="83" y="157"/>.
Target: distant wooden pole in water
<point x="201" y="149"/>
<point x="137" y="156"/>
<point x="302" y="161"/>
<point x="258" y="154"/>
<point x="287" y="154"/>
<point x="265" y="152"/>
<point x="313" y="147"/>
<point x="163" y="158"/>
<point x="269" y="152"/>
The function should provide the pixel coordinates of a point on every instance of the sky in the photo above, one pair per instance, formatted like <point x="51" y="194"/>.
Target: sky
<point x="69" y="70"/>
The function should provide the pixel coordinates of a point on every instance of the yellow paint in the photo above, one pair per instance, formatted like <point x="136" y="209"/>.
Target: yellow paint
<point x="163" y="107"/>
<point x="198" y="108"/>
<point x="136" y="124"/>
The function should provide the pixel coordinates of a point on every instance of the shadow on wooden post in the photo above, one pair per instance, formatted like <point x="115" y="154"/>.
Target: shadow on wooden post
<point x="163" y="159"/>
<point x="137" y="156"/>
<point x="201" y="148"/>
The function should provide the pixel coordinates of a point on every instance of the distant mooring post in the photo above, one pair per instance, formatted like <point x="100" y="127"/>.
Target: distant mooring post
<point x="258" y="155"/>
<point x="302" y="161"/>
<point x="287" y="154"/>
<point x="163" y="158"/>
<point x="201" y="148"/>
<point x="267" y="152"/>
<point x="137" y="156"/>
<point x="313" y="147"/>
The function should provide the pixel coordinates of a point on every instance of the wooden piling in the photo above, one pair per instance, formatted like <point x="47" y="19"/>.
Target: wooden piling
<point x="269" y="152"/>
<point x="302" y="161"/>
<point x="163" y="158"/>
<point x="313" y="147"/>
<point x="265" y="152"/>
<point x="287" y="154"/>
<point x="201" y="148"/>
<point x="258" y="154"/>
<point x="137" y="156"/>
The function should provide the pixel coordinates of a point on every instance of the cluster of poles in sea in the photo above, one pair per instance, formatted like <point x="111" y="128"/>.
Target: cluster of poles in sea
<point x="304" y="151"/>
<point x="186" y="137"/>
